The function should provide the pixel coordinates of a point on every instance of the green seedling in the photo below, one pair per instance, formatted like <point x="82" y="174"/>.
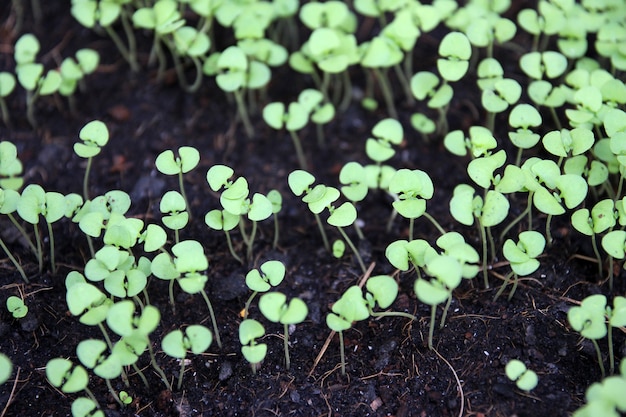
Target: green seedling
<point x="455" y="51"/>
<point x="249" y="331"/>
<point x="122" y="275"/>
<point x="236" y="73"/>
<point x="275" y="308"/>
<point x="30" y="74"/>
<point x="610" y="41"/>
<point x="294" y="118"/>
<point x="550" y="190"/>
<point x="322" y="197"/>
<point x="479" y="142"/>
<point x="224" y="220"/>
<point x="67" y="376"/>
<point x="17" y="307"/>
<point x="276" y="198"/>
<point x="85" y="407"/>
<point x="354" y="180"/>
<point x="125" y="397"/>
<point x="104" y="14"/>
<point x="411" y="189"/>
<point x="504" y="93"/>
<point x="86" y="301"/>
<point x="426" y="85"/>
<point x="349" y="308"/>
<point x="185" y="267"/>
<point x="321" y="111"/>
<point x="589" y="319"/>
<point x="91" y="353"/>
<point x="522" y="117"/>
<point x="235" y="200"/>
<point x="134" y="331"/>
<point x="73" y="72"/>
<point x="187" y="158"/>
<point x="490" y="28"/>
<point x="453" y="244"/>
<point x="605" y="398"/>
<point x="174" y="208"/>
<point x="10" y="167"/>
<point x="522" y="257"/>
<point x="524" y="378"/>
<point x="94" y="135"/>
<point x="566" y="142"/>
<point x="8" y="205"/>
<point x="403" y="254"/>
<point x="383" y="290"/>
<point x="269" y="274"/>
<point x="601" y="218"/>
<point x="447" y="274"/>
<point x="6" y="368"/>
<point x="196" y="338"/>
<point x="35" y="202"/>
<point x="385" y="134"/>
<point x="7" y="85"/>
<point x="547" y="20"/>
<point x="338" y="248"/>
<point x="379" y="54"/>
<point x="424" y="125"/>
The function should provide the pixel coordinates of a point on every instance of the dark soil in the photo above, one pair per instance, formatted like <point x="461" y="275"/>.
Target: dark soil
<point x="390" y="370"/>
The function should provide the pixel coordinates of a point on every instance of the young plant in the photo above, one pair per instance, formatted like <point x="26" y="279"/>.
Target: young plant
<point x="350" y="307"/>
<point x="522" y="117"/>
<point x="411" y="189"/>
<point x="294" y="118"/>
<point x="235" y="200"/>
<point x="73" y="72"/>
<point x="174" y="208"/>
<point x="249" y="331"/>
<point x="269" y="274"/>
<point x="522" y="257"/>
<point x="187" y="158"/>
<point x="185" y="267"/>
<point x="601" y="218"/>
<point x="589" y="319"/>
<point x="276" y="198"/>
<point x="446" y="273"/>
<point x="7" y="85"/>
<point x="35" y="202"/>
<point x="275" y="308"/>
<point x="320" y="197"/>
<point x="94" y="135"/>
<point x="196" y="338"/>
<point x="17" y="307"/>
<point x="8" y="205"/>
<point x="606" y="397"/>
<point x="524" y="378"/>
<point x="6" y="368"/>
<point x="92" y="354"/>
<point x="479" y="142"/>
<point x="30" y="74"/>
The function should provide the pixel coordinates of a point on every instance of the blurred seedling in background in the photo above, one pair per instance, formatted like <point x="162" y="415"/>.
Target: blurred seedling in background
<point x="7" y="85"/>
<point x="249" y="331"/>
<point x="6" y="368"/>
<point x="30" y="74"/>
<point x="524" y="378"/>
<point x="16" y="306"/>
<point x="94" y="135"/>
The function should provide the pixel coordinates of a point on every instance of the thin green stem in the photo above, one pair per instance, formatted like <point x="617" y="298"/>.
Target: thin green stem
<point x="392" y="314"/>
<point x="431" y="328"/>
<point x="517" y="219"/>
<point x="599" y="357"/>
<point x="503" y="286"/>
<point x="386" y="90"/>
<point x="13" y="260"/>
<point x="113" y="393"/>
<point x="181" y="185"/>
<point x="246" y="308"/>
<point x="515" y="283"/>
<point x="210" y="307"/>
<point x="286" y="346"/>
<point x="243" y="113"/>
<point x="180" y="375"/>
<point x="320" y="226"/>
<point x="122" y="49"/>
<point x="170" y="291"/>
<point x="611" y="357"/>
<point x="141" y="375"/>
<point x="435" y="223"/>
<point x="342" y="354"/>
<point x="445" y="312"/>
<point x="5" y="112"/>
<point x="251" y="240"/>
<point x="555" y="118"/>
<point x="404" y="82"/>
<point x="39" y="249"/>
<point x="299" y="151"/>
<point x="86" y="179"/>
<point x="52" y="256"/>
<point x="483" y="239"/>
<point x="230" y="247"/>
<point x="157" y="368"/>
<point x="411" y="227"/>
<point x="276" y="232"/>
<point x="548" y="231"/>
<point x="354" y="249"/>
<point x="594" y="245"/>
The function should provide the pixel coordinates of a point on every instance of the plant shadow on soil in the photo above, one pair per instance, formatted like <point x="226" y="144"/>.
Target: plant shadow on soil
<point x="391" y="371"/>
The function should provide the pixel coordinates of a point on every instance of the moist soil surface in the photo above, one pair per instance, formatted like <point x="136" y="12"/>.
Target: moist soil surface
<point x="390" y="369"/>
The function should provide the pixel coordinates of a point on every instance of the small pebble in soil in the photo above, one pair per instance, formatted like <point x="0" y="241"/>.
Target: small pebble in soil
<point x="226" y="371"/>
<point x="295" y="396"/>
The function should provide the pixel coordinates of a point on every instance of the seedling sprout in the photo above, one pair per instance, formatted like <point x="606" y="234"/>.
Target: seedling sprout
<point x="17" y="307"/>
<point x="524" y="378"/>
<point x="195" y="338"/>
<point x="249" y="331"/>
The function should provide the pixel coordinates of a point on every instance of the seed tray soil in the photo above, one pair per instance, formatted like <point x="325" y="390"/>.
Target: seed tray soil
<point x="390" y="370"/>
